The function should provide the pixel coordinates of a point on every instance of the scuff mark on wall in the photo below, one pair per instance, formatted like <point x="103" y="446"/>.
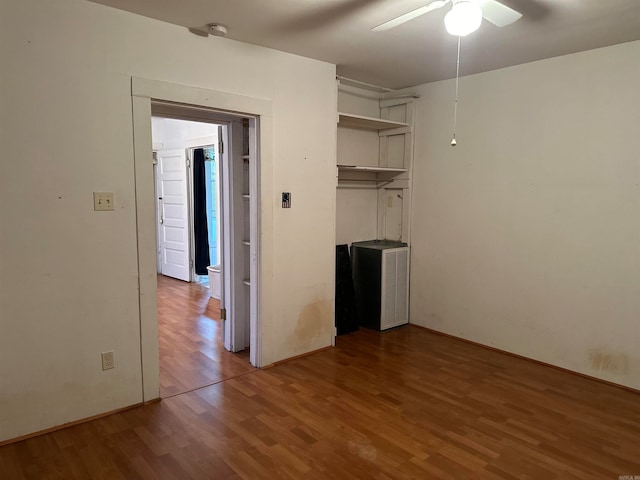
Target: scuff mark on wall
<point x="312" y="323"/>
<point x="603" y="360"/>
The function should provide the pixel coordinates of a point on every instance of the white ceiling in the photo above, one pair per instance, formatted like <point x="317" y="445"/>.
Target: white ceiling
<point x="420" y="51"/>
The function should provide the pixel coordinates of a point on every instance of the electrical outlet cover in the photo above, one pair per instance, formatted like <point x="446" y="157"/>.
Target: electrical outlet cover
<point x="107" y="361"/>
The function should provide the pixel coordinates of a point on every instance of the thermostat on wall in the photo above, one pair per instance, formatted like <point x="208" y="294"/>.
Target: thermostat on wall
<point x="286" y="199"/>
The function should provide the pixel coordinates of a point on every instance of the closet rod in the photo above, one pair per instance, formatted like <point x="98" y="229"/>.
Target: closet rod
<point x="343" y="183"/>
<point x="382" y="93"/>
<point x="364" y="84"/>
<point x="342" y="179"/>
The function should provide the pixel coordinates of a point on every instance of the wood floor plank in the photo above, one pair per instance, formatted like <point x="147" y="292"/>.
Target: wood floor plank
<point x="404" y="404"/>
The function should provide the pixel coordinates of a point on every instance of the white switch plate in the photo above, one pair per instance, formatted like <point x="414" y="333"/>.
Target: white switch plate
<point x="103" y="201"/>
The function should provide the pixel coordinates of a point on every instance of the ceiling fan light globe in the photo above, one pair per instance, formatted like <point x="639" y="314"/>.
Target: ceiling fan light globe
<point x="463" y="18"/>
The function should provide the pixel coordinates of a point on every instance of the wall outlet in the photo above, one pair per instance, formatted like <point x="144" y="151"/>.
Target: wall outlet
<point x="107" y="361"/>
<point x="103" y="201"/>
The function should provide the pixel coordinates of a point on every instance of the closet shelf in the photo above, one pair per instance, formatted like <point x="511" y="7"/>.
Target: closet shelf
<point x="354" y="176"/>
<point x="357" y="168"/>
<point x="367" y="123"/>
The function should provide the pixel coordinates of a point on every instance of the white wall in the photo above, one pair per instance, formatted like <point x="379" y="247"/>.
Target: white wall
<point x="356" y="215"/>
<point x="69" y="278"/>
<point x="526" y="236"/>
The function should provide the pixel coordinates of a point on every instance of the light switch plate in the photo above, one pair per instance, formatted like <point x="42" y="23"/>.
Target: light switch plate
<point x="103" y="201"/>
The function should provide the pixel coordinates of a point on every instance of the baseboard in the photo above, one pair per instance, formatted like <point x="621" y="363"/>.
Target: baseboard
<point x="74" y="423"/>
<point x="533" y="360"/>
<point x="297" y="357"/>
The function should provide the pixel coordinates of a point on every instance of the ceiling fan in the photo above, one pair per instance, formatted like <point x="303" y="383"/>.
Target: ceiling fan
<point x="464" y="17"/>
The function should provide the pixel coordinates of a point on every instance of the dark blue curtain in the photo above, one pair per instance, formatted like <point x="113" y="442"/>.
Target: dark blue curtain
<point x="200" y="213"/>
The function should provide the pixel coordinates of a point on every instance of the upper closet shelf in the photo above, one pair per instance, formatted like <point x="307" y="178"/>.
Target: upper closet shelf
<point x="356" y="168"/>
<point x="367" y="123"/>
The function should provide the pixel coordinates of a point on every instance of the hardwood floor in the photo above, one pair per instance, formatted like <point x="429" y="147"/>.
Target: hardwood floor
<point x="405" y="404"/>
<point x="190" y="336"/>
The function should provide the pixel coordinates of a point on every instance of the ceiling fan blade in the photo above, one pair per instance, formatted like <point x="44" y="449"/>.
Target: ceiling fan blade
<point x="497" y="13"/>
<point x="410" y="15"/>
<point x="325" y="15"/>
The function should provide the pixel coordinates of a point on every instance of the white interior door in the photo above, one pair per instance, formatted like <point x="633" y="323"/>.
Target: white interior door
<point x="173" y="202"/>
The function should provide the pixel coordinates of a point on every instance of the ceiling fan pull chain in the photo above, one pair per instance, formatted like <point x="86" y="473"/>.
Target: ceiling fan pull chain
<point x="455" y="103"/>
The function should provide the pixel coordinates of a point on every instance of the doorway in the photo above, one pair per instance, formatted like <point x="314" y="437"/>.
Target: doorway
<point x="184" y="195"/>
<point x="186" y="173"/>
<point x="190" y="326"/>
<point x="151" y="97"/>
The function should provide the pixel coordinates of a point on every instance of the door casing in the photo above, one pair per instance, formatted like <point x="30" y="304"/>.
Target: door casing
<point x="199" y="104"/>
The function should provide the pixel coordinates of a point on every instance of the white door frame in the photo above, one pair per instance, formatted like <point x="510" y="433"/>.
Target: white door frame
<point x="199" y="104"/>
